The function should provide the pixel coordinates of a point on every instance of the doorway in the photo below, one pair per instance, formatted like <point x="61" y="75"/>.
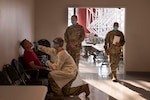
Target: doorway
<point x="99" y="21"/>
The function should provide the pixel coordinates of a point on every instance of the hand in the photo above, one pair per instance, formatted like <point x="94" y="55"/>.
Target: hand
<point x="107" y="52"/>
<point x="49" y="69"/>
<point x="44" y="60"/>
<point x="72" y="44"/>
<point x="35" y="44"/>
<point x="118" y="44"/>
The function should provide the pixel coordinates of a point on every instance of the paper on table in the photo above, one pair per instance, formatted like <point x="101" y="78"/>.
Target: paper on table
<point x="116" y="39"/>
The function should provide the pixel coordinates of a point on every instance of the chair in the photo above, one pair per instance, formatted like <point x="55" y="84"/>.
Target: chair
<point x="39" y="53"/>
<point x="26" y="77"/>
<point x="23" y="67"/>
<point x="102" y="59"/>
<point x="4" y="79"/>
<point x="44" y="42"/>
<point x="105" y="59"/>
<point x="13" y="75"/>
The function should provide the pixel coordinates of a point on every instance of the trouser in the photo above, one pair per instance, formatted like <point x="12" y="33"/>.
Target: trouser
<point x="40" y="73"/>
<point x="72" y="91"/>
<point x="114" y="61"/>
<point x="75" y="53"/>
<point x="43" y="73"/>
<point x="67" y="90"/>
<point x="54" y="87"/>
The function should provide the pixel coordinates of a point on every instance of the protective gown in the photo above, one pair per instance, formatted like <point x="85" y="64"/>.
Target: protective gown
<point x="64" y="67"/>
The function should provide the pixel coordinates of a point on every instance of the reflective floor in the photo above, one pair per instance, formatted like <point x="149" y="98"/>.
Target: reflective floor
<point x="129" y="87"/>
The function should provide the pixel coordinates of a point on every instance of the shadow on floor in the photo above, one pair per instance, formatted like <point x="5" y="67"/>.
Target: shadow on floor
<point x="142" y="92"/>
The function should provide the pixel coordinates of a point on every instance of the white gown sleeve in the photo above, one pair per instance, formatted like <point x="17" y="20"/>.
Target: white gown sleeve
<point x="59" y="62"/>
<point x="47" y="50"/>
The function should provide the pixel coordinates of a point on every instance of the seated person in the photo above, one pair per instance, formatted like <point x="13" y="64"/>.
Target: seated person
<point x="89" y="40"/>
<point x="31" y="61"/>
<point x="92" y="39"/>
<point x="95" y="39"/>
<point x="64" y="71"/>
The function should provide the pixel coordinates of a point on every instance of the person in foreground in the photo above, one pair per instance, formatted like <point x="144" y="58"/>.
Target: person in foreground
<point x="114" y="41"/>
<point x="64" y="71"/>
<point x="31" y="60"/>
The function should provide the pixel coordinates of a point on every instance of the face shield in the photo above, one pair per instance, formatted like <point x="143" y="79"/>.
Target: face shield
<point x="55" y="43"/>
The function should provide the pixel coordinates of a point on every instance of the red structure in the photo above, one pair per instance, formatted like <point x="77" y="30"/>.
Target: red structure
<point x="81" y="13"/>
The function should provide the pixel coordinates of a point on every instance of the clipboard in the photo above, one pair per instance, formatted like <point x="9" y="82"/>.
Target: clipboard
<point x="116" y="39"/>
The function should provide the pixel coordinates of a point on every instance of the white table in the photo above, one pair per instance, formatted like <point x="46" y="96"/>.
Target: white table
<point x="86" y="44"/>
<point x="99" y="47"/>
<point x="23" y="92"/>
<point x="91" y="49"/>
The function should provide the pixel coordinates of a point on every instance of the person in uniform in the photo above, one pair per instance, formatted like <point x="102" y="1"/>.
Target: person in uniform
<point x="64" y="70"/>
<point x="114" y="41"/>
<point x="73" y="37"/>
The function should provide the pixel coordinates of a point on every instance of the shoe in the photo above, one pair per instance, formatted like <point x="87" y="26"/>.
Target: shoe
<point x="114" y="76"/>
<point x="86" y="89"/>
<point x="114" y="79"/>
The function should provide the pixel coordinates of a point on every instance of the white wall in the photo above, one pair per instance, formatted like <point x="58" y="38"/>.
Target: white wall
<point x="16" y="23"/>
<point x="51" y="21"/>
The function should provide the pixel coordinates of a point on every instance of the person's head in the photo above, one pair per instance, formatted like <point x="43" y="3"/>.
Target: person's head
<point x="74" y="19"/>
<point x="58" y="42"/>
<point x="26" y="44"/>
<point x="95" y="35"/>
<point x="115" y="26"/>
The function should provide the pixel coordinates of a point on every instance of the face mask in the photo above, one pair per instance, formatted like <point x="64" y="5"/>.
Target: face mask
<point x="73" y="22"/>
<point x="115" y="28"/>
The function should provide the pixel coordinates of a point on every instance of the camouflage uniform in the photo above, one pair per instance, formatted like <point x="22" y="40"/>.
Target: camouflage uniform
<point x="67" y="90"/>
<point x="113" y="50"/>
<point x="75" y="34"/>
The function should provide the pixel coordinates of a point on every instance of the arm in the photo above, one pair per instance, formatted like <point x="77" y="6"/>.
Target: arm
<point x="66" y="35"/>
<point x="57" y="65"/>
<point x="79" y="35"/>
<point x="66" y="38"/>
<point x="47" y="50"/>
<point x="106" y="42"/>
<point x="106" y="45"/>
<point x="33" y="66"/>
<point x="122" y="41"/>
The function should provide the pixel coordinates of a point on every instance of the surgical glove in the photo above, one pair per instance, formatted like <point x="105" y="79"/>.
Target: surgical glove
<point x="44" y="60"/>
<point x="35" y="44"/>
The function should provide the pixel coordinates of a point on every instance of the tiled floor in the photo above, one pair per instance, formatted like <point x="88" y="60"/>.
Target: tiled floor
<point x="130" y="87"/>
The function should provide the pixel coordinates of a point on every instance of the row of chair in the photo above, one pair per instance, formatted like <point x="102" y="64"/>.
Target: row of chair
<point x="15" y="74"/>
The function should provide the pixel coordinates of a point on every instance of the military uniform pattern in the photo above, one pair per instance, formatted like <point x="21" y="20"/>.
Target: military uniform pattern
<point x="67" y="90"/>
<point x="74" y="33"/>
<point x="113" y="50"/>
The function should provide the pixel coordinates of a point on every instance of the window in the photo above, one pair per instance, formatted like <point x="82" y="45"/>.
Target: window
<point x="99" y="20"/>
